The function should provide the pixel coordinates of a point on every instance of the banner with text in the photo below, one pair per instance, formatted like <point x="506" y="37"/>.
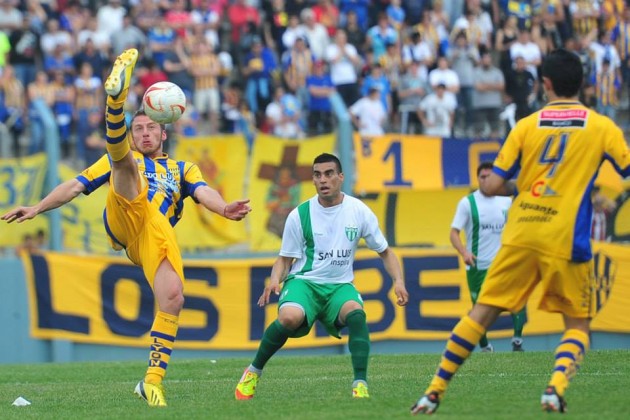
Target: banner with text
<point x="280" y="178"/>
<point x="395" y="162"/>
<point x="106" y="300"/>
<point x="21" y="184"/>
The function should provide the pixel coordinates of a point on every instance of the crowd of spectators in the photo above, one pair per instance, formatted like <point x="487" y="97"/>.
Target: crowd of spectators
<point x="463" y="68"/>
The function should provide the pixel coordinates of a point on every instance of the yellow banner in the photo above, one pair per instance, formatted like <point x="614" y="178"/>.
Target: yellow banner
<point x="21" y="184"/>
<point x="280" y="178"/>
<point x="223" y="163"/>
<point x="398" y="162"/>
<point x="82" y="219"/>
<point x="106" y="300"/>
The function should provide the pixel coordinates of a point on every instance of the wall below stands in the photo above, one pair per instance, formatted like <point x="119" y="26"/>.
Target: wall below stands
<point x="19" y="347"/>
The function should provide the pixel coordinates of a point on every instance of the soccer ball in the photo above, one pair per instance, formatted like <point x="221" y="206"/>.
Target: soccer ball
<point x="164" y="102"/>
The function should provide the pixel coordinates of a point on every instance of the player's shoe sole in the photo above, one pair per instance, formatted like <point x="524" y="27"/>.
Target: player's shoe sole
<point x="246" y="388"/>
<point x="153" y="394"/>
<point x="117" y="83"/>
<point x="551" y="402"/>
<point x="427" y="404"/>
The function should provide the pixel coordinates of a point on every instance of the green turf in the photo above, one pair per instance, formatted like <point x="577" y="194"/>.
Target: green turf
<point x="489" y="386"/>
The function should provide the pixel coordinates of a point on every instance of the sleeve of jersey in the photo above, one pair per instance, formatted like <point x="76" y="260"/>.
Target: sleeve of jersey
<point x="461" y="214"/>
<point x="508" y="160"/>
<point x="192" y="180"/>
<point x="617" y="152"/>
<point x="96" y="175"/>
<point x="292" y="237"/>
<point x="372" y="232"/>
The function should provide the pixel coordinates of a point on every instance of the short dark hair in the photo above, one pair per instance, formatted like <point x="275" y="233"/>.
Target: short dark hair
<point x="327" y="157"/>
<point x="140" y="113"/>
<point x="564" y="69"/>
<point x="484" y="165"/>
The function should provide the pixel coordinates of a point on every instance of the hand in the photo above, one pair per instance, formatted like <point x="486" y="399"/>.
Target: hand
<point x="401" y="293"/>
<point x="469" y="258"/>
<point x="237" y="210"/>
<point x="20" y="214"/>
<point x="273" y="286"/>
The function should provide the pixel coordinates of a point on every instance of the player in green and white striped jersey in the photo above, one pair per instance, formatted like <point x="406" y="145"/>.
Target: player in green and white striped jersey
<point x="482" y="218"/>
<point x="316" y="258"/>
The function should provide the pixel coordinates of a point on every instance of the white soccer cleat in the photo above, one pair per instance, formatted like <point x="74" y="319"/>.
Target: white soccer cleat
<point x="427" y="404"/>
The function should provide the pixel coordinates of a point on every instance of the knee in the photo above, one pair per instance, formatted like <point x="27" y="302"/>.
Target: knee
<point x="356" y="316"/>
<point x="291" y="320"/>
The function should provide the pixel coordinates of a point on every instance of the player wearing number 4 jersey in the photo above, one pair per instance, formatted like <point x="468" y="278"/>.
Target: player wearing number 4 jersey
<point x="559" y="150"/>
<point x="315" y="263"/>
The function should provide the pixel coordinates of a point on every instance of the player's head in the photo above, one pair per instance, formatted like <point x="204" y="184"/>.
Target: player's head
<point x="147" y="135"/>
<point x="562" y="73"/>
<point x="483" y="173"/>
<point x="328" y="178"/>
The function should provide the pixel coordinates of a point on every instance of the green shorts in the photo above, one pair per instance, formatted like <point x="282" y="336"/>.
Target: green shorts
<point x="475" y="280"/>
<point x="320" y="302"/>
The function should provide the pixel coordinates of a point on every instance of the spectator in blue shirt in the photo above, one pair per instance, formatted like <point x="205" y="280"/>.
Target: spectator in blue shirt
<point x="378" y="80"/>
<point x="259" y="67"/>
<point x="359" y="7"/>
<point x="320" y="87"/>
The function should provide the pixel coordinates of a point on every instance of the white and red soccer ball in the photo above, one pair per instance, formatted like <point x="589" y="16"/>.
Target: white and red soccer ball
<point x="164" y="102"/>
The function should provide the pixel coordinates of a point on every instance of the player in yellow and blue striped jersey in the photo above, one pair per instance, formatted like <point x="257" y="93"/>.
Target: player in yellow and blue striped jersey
<point x="144" y="202"/>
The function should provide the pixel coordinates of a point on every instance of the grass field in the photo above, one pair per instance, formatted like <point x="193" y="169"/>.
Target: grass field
<point x="489" y="386"/>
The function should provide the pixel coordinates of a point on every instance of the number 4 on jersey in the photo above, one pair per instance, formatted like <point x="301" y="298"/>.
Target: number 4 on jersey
<point x="553" y="152"/>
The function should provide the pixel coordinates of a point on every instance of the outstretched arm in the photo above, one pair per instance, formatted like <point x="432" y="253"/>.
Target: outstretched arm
<point x="61" y="195"/>
<point x="393" y="269"/>
<point x="213" y="201"/>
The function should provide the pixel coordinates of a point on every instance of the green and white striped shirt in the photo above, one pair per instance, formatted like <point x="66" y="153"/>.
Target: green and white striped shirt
<point x="482" y="218"/>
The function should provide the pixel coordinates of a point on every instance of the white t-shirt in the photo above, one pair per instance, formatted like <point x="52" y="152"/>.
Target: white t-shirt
<point x="323" y="240"/>
<point x="447" y="76"/>
<point x="342" y="72"/>
<point x="284" y="129"/>
<point x="530" y="52"/>
<point x="371" y="115"/>
<point x="484" y="222"/>
<point x="438" y="112"/>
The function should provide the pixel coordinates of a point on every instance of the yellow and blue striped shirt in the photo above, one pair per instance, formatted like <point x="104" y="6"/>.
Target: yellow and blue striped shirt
<point x="169" y="181"/>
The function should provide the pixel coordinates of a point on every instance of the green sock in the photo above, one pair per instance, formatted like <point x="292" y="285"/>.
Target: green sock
<point x="359" y="343"/>
<point x="273" y="339"/>
<point x="484" y="341"/>
<point x="519" y="321"/>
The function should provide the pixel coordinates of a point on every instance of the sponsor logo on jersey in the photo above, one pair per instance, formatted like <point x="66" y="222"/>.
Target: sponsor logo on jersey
<point x="575" y="118"/>
<point x="541" y="189"/>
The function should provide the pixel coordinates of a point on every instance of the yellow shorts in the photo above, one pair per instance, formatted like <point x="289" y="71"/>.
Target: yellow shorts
<point x="144" y="232"/>
<point x="515" y="272"/>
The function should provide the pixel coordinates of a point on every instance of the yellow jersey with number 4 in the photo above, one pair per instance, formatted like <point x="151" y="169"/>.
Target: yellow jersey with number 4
<point x="556" y="153"/>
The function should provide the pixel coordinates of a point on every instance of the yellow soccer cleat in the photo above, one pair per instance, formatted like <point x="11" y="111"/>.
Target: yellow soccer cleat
<point x="246" y="387"/>
<point x="117" y="83"/>
<point x="360" y="391"/>
<point x="153" y="394"/>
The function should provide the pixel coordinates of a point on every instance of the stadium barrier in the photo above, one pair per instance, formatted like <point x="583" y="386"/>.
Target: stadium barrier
<point x="105" y="300"/>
